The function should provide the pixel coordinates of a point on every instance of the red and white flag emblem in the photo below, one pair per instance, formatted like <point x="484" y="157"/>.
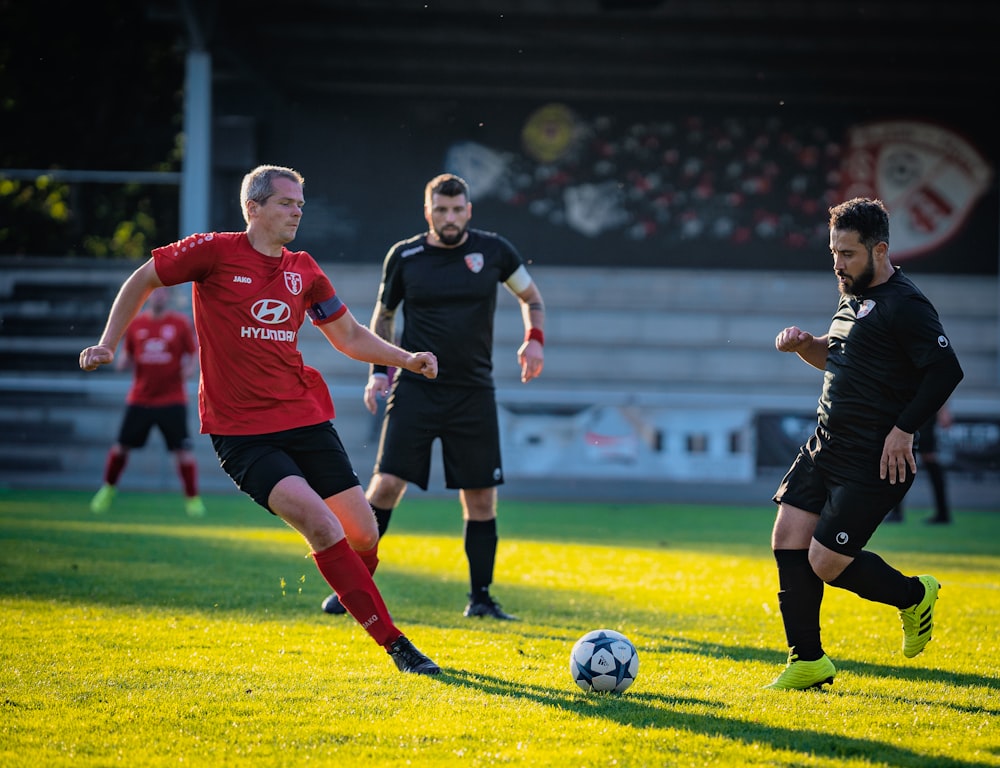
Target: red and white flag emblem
<point x="866" y="306"/>
<point x="474" y="261"/>
<point x="928" y="177"/>
<point x="293" y="282"/>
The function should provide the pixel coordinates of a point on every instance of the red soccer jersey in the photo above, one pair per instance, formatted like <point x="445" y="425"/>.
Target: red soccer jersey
<point x="157" y="346"/>
<point x="248" y="309"/>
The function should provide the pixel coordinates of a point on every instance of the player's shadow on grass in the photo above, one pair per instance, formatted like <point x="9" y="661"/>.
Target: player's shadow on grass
<point x="644" y="711"/>
<point x="144" y="557"/>
<point x="845" y="666"/>
<point x="155" y="560"/>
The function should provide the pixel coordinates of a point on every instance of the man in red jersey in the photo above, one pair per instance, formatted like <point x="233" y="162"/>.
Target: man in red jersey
<point x="160" y="347"/>
<point x="269" y="415"/>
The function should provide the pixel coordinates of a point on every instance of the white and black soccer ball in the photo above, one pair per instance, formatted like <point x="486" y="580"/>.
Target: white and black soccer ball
<point x="604" y="660"/>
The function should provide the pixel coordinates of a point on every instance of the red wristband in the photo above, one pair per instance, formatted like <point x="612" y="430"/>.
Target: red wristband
<point x="535" y="334"/>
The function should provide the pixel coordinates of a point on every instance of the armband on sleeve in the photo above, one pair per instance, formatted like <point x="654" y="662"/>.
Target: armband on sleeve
<point x="519" y="279"/>
<point x="330" y="309"/>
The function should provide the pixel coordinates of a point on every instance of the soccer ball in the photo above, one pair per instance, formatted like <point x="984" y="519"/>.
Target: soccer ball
<point x="604" y="660"/>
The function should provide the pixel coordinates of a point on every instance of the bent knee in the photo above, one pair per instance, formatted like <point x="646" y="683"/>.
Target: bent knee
<point x="826" y="563"/>
<point x="364" y="540"/>
<point x="385" y="490"/>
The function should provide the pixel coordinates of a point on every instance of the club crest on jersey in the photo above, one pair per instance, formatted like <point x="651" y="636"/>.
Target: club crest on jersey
<point x="293" y="282"/>
<point x="866" y="306"/>
<point x="474" y="261"/>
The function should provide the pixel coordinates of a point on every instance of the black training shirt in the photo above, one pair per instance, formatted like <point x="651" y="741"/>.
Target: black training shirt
<point x="449" y="298"/>
<point x="879" y="347"/>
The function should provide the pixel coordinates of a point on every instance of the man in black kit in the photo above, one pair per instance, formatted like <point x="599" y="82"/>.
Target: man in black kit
<point x="446" y="279"/>
<point x="888" y="367"/>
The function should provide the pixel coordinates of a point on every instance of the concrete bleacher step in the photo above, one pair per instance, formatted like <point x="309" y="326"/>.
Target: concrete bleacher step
<point x="686" y="347"/>
<point x="42" y="431"/>
<point x="605" y="327"/>
<point x="38" y="360"/>
<point x="56" y="293"/>
<point x="685" y="329"/>
<point x="26" y="325"/>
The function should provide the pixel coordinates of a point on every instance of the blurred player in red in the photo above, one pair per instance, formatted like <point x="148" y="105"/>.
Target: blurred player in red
<point x="161" y="349"/>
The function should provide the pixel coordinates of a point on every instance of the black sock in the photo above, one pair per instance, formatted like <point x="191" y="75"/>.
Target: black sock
<point x="799" y="599"/>
<point x="381" y="518"/>
<point x="481" y="551"/>
<point x="871" y="577"/>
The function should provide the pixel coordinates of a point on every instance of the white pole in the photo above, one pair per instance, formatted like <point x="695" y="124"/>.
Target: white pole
<point x="196" y="168"/>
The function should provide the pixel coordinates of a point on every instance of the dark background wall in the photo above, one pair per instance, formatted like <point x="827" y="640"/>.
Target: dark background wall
<point x="697" y="134"/>
<point x="583" y="183"/>
<point x="684" y="133"/>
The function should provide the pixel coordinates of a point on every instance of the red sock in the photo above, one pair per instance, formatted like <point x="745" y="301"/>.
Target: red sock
<point x="114" y="465"/>
<point x="188" y="471"/>
<point x="344" y="570"/>
<point x="370" y="558"/>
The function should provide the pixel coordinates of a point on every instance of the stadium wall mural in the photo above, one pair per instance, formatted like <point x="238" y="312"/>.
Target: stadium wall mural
<point x="652" y="185"/>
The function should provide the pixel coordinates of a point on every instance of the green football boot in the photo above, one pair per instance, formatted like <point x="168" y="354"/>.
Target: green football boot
<point x="101" y="502"/>
<point x="800" y="675"/>
<point x="918" y="620"/>
<point x="194" y="506"/>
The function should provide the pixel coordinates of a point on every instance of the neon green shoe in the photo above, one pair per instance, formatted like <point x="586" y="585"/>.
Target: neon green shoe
<point x="194" y="507"/>
<point x="800" y="675"/>
<point x="101" y="502"/>
<point x="918" y="621"/>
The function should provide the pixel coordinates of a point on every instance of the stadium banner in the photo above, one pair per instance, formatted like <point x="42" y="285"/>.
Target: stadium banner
<point x="652" y="185"/>
<point x="627" y="441"/>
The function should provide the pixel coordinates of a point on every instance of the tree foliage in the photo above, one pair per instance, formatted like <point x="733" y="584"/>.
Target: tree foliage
<point x="92" y="86"/>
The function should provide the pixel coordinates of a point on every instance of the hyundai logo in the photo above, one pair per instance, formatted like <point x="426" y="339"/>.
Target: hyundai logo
<point x="271" y="311"/>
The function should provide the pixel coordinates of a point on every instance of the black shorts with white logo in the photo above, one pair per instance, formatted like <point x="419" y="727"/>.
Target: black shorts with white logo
<point x="842" y="487"/>
<point x="257" y="463"/>
<point x="464" y="419"/>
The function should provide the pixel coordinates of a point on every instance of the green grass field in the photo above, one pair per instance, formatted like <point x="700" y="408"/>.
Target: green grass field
<point x="143" y="638"/>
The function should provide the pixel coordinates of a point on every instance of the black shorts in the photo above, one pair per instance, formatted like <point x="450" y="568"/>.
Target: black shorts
<point x="171" y="420"/>
<point x="842" y="487"/>
<point x="257" y="463"/>
<point x="463" y="418"/>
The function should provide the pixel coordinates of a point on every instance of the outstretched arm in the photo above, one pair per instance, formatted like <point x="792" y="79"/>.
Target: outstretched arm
<point x="347" y="335"/>
<point x="131" y="296"/>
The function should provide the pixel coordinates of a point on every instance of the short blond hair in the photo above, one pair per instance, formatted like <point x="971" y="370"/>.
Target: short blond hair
<point x="258" y="185"/>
